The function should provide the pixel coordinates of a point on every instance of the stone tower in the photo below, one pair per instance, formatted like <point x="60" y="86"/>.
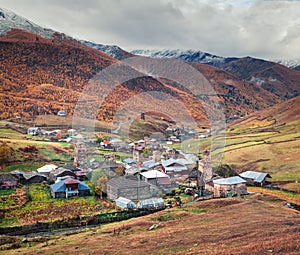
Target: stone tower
<point x="80" y="158"/>
<point x="157" y="156"/>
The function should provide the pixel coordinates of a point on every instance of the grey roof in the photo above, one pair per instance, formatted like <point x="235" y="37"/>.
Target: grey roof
<point x="229" y="181"/>
<point x="69" y="167"/>
<point x="126" y="182"/>
<point x="17" y="172"/>
<point x="8" y="177"/>
<point x="30" y="175"/>
<point x="60" y="170"/>
<point x="171" y="161"/>
<point x="129" y="161"/>
<point x="151" y="163"/>
<point x="255" y="176"/>
<point x="136" y="169"/>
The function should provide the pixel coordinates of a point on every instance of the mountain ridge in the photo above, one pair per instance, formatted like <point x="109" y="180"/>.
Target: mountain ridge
<point x="61" y="63"/>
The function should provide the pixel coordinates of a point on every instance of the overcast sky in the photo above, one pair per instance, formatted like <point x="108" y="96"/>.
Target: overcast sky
<point x="264" y="28"/>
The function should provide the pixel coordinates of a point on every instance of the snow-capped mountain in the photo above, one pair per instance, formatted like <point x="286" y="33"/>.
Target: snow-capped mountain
<point x="112" y="50"/>
<point x="9" y="20"/>
<point x="187" y="55"/>
<point x="293" y="63"/>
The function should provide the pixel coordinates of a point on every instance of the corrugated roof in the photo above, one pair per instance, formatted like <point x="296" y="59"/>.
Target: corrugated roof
<point x="61" y="170"/>
<point x="255" y="176"/>
<point x="149" y="163"/>
<point x="229" y="181"/>
<point x="184" y="161"/>
<point x="168" y="162"/>
<point x="135" y="169"/>
<point x="153" y="174"/>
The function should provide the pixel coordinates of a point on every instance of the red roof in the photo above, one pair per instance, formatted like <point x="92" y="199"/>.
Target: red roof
<point x="106" y="142"/>
<point x="81" y="173"/>
<point x="71" y="181"/>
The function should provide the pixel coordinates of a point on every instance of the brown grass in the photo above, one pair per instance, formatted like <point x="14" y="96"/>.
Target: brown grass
<point x="230" y="226"/>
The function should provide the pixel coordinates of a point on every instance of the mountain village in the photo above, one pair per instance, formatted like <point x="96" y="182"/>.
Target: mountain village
<point x="155" y="170"/>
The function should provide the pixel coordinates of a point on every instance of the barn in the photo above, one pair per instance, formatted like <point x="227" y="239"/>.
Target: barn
<point x="255" y="178"/>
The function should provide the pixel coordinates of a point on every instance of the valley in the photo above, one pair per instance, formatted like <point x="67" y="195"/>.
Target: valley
<point x="188" y="153"/>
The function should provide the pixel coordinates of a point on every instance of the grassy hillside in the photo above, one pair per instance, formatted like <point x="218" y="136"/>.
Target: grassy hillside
<point x="267" y="141"/>
<point x="221" y="226"/>
<point x="28" y="153"/>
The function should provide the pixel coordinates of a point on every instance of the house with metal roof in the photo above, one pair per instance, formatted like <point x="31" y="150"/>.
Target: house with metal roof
<point x="34" y="177"/>
<point x="61" y="172"/>
<point x="255" y="178"/>
<point x="69" y="187"/>
<point x="129" y="161"/>
<point x="173" y="168"/>
<point x="156" y="177"/>
<point x="129" y="187"/>
<point x="134" y="170"/>
<point x="227" y="187"/>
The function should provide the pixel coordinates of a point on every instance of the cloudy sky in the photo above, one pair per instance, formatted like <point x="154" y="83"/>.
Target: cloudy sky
<point x="259" y="28"/>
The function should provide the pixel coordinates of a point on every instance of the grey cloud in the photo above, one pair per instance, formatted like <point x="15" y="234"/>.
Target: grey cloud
<point x="267" y="29"/>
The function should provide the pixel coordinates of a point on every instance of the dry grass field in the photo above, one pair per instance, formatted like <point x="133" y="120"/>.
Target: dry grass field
<point x="258" y="224"/>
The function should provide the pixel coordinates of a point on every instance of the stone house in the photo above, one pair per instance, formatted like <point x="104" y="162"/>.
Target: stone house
<point x="34" y="177"/>
<point x="155" y="177"/>
<point x="8" y="181"/>
<point x="129" y="187"/>
<point x="173" y="168"/>
<point x="231" y="186"/>
<point x="61" y="172"/>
